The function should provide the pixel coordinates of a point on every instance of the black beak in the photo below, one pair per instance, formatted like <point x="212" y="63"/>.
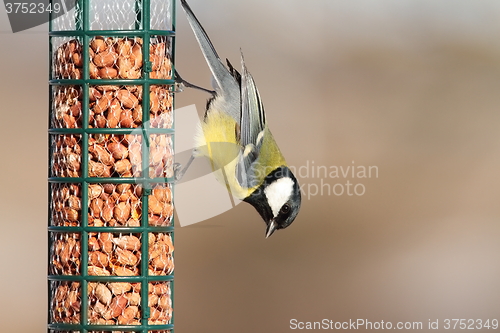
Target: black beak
<point x="270" y="228"/>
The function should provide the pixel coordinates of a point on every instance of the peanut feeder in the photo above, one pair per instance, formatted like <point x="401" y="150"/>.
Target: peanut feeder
<point x="111" y="168"/>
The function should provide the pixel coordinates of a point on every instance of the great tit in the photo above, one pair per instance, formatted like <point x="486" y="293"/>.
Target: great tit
<point x="235" y="136"/>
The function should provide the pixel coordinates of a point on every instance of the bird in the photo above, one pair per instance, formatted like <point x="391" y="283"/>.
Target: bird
<point x="234" y="135"/>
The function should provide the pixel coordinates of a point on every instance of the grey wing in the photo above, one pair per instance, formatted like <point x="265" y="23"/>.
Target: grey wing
<point x="225" y="85"/>
<point x="253" y="121"/>
<point x="253" y="118"/>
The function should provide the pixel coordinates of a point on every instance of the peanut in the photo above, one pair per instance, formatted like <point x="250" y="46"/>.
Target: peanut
<point x="106" y="58"/>
<point x="128" y="99"/>
<point x="107" y="73"/>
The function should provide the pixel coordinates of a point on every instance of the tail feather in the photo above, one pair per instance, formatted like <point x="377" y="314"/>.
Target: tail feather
<point x="226" y="84"/>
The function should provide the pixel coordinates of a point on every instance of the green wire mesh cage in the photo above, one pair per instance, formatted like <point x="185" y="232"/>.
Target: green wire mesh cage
<point x="111" y="167"/>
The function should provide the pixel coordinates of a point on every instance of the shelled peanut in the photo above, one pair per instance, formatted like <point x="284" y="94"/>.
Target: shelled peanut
<point x="115" y="155"/>
<point x="66" y="155"/>
<point x="121" y="106"/>
<point x="120" y="254"/>
<point x="68" y="62"/>
<point x="162" y="331"/>
<point x="160" y="303"/>
<point x="119" y="302"/>
<point x="112" y="58"/>
<point x="160" y="208"/>
<point x="65" y="205"/>
<point x="112" y="106"/>
<point x="121" y="155"/>
<point x="67" y="107"/>
<point x="114" y="331"/>
<point x="114" y="205"/>
<point x="161" y="102"/>
<point x="115" y="106"/>
<point x="115" y="58"/>
<point x="161" y="159"/>
<point x="111" y="303"/>
<point x="114" y="303"/>
<point x="160" y="255"/>
<point x="65" y="254"/>
<point x="65" y="302"/>
<point x="121" y="205"/>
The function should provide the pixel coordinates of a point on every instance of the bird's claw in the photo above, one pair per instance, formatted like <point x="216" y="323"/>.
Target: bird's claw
<point x="177" y="171"/>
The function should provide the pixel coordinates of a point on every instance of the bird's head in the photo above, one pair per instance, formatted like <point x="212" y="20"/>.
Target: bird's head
<point x="277" y="199"/>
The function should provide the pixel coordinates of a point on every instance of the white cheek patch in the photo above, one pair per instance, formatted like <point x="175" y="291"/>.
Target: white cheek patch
<point x="278" y="192"/>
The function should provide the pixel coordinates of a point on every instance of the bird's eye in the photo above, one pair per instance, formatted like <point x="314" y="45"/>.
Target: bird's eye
<point x="285" y="209"/>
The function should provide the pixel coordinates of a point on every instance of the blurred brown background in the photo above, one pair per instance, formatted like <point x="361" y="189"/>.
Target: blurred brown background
<point x="412" y="87"/>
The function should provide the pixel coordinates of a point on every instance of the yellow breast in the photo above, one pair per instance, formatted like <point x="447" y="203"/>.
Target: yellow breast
<point x="216" y="139"/>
